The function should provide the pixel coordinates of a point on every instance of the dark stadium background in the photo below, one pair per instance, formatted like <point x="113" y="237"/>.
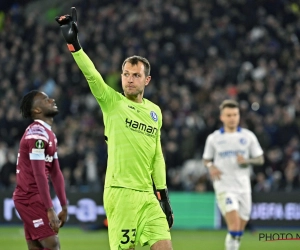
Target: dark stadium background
<point x="201" y="52"/>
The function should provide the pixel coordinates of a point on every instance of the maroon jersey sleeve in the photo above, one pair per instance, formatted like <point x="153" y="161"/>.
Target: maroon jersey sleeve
<point x="37" y="161"/>
<point x="38" y="167"/>
<point x="58" y="181"/>
<point x="37" y="141"/>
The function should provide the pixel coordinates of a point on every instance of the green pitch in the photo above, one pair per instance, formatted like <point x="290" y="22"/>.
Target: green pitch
<point x="72" y="238"/>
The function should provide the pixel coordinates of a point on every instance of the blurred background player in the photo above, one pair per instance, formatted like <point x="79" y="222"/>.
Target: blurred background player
<point x="38" y="161"/>
<point x="135" y="158"/>
<point x="228" y="154"/>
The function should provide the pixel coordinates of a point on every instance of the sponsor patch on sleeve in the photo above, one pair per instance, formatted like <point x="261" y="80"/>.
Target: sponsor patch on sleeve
<point x="38" y="150"/>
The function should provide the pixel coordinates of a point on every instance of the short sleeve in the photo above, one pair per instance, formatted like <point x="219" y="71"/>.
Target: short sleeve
<point x="209" y="148"/>
<point x="37" y="139"/>
<point x="255" y="148"/>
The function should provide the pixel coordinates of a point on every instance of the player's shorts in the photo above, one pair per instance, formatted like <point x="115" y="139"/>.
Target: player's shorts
<point x="35" y="219"/>
<point x="228" y="202"/>
<point x="134" y="216"/>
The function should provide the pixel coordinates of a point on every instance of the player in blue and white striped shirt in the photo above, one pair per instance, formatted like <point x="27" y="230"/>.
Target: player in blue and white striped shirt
<point x="228" y="154"/>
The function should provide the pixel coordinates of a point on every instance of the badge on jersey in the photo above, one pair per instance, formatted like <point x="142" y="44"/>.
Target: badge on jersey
<point x="228" y="201"/>
<point x="243" y="141"/>
<point x="153" y="116"/>
<point x="39" y="144"/>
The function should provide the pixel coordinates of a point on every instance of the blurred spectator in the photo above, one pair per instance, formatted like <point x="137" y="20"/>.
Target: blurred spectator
<point x="203" y="52"/>
<point x="8" y="171"/>
<point x="262" y="184"/>
<point x="290" y="181"/>
<point x="193" y="173"/>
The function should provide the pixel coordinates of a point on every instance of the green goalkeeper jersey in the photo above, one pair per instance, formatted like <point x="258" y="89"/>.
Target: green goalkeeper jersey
<point x="133" y="134"/>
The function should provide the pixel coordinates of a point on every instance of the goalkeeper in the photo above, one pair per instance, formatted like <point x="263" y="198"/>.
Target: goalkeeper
<point x="135" y="159"/>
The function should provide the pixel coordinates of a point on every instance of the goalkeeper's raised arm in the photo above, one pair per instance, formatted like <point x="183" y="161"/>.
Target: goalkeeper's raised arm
<point x="69" y="30"/>
<point x="132" y="128"/>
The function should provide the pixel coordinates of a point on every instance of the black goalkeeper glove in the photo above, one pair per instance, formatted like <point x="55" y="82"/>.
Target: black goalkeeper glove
<point x="68" y="26"/>
<point x="164" y="201"/>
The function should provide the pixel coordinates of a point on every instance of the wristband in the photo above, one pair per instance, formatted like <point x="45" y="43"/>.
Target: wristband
<point x="74" y="47"/>
<point x="162" y="194"/>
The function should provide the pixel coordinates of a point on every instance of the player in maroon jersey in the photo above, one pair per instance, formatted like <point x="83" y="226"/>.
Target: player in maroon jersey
<point x="38" y="162"/>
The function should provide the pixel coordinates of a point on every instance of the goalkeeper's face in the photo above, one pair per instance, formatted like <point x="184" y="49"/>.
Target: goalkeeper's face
<point x="230" y="118"/>
<point x="134" y="80"/>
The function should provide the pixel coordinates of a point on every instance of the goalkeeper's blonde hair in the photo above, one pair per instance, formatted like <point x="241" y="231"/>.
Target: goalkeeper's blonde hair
<point x="134" y="61"/>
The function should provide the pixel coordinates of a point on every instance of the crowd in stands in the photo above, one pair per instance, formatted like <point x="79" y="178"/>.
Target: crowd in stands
<point x="201" y="52"/>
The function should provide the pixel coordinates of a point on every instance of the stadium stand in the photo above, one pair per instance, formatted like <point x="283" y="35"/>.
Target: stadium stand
<point x="201" y="53"/>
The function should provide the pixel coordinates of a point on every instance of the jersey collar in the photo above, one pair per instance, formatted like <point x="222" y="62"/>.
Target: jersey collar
<point x="222" y="130"/>
<point x="43" y="123"/>
<point x="138" y="103"/>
